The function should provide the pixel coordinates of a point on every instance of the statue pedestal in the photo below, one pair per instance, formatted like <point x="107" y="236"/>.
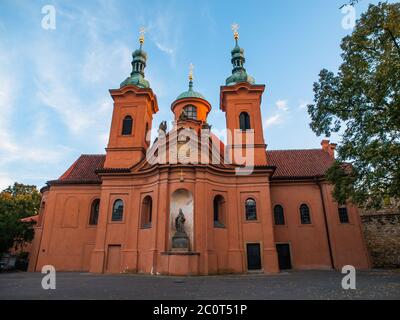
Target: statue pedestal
<point x="180" y="242"/>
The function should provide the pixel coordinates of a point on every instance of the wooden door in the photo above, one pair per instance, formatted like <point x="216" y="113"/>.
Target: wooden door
<point x="113" y="259"/>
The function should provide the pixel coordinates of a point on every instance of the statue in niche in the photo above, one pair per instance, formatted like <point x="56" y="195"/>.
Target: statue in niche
<point x="180" y="240"/>
<point x="179" y="222"/>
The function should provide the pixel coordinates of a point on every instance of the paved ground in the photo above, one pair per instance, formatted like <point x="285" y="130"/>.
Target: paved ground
<point x="288" y="285"/>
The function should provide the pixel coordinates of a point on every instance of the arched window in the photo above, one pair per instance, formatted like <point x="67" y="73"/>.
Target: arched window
<point x="191" y="111"/>
<point x="94" y="212"/>
<point x="218" y="206"/>
<point x="127" y="126"/>
<point x="305" y="214"/>
<point x="147" y="212"/>
<point x="251" y="212"/>
<point x="118" y="210"/>
<point x="279" y="217"/>
<point x="244" y="120"/>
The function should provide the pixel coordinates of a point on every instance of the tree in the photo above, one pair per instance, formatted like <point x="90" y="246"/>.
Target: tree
<point x="362" y="103"/>
<point x="17" y="202"/>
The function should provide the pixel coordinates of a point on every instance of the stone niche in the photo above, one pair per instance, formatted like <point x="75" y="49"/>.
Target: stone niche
<point x="180" y="261"/>
<point x="181" y="199"/>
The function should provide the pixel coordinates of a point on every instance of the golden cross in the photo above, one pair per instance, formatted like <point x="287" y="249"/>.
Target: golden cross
<point x="191" y="67"/>
<point x="142" y="31"/>
<point x="235" y="27"/>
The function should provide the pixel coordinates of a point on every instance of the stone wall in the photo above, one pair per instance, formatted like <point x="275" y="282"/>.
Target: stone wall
<point x="382" y="234"/>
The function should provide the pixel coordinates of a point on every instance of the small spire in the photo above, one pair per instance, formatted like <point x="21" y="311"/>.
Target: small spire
<point x="235" y="27"/>
<point x="139" y="58"/>
<point x="191" y="67"/>
<point x="239" y="73"/>
<point x="142" y="31"/>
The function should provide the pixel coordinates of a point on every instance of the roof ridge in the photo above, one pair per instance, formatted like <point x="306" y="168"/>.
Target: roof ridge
<point x="312" y="149"/>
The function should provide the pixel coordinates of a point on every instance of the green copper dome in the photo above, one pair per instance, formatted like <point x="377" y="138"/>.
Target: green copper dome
<point x="239" y="76"/>
<point x="139" y="58"/>
<point x="239" y="73"/>
<point x="190" y="93"/>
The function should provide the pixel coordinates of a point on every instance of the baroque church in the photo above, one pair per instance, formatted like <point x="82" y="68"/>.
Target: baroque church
<point x="189" y="204"/>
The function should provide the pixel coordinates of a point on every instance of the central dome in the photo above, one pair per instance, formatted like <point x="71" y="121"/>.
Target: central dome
<point x="190" y="94"/>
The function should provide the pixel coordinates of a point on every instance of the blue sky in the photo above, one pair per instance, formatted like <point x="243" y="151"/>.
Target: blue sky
<point x="54" y="99"/>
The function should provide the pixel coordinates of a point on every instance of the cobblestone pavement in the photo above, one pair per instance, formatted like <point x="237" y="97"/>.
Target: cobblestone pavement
<point x="374" y="284"/>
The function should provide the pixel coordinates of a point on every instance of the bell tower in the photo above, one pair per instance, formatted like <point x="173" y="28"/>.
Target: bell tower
<point x="134" y="106"/>
<point x="240" y="99"/>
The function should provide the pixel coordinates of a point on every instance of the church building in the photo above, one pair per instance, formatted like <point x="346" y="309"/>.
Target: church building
<point x="190" y="204"/>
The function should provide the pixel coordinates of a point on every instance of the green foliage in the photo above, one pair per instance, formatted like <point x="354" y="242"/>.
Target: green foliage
<point x="17" y="202"/>
<point x="362" y="103"/>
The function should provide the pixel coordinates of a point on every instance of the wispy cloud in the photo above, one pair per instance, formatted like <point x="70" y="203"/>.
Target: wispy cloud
<point x="10" y="149"/>
<point x="274" y="120"/>
<point x="164" y="29"/>
<point x="282" y="105"/>
<point x="280" y="114"/>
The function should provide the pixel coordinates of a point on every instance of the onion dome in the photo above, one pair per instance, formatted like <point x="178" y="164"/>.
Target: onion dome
<point x="139" y="58"/>
<point x="239" y="73"/>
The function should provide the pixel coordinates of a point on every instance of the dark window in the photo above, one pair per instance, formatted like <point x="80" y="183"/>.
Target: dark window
<point x="251" y="212"/>
<point x="279" y="217"/>
<point x="118" y="210"/>
<point x="244" y="120"/>
<point x="191" y="112"/>
<point x="218" y="205"/>
<point x="94" y="212"/>
<point x="305" y="214"/>
<point x="343" y="216"/>
<point x="147" y="212"/>
<point x="127" y="126"/>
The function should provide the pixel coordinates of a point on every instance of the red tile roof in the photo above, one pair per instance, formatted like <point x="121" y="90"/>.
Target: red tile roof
<point x="305" y="163"/>
<point x="299" y="163"/>
<point x="83" y="169"/>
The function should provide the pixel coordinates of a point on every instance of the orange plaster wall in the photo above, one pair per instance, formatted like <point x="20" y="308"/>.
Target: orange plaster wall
<point x="348" y="240"/>
<point x="309" y="243"/>
<point x="66" y="238"/>
<point x="125" y="150"/>
<point x="68" y="243"/>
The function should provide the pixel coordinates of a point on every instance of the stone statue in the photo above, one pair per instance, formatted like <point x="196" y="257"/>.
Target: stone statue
<point x="179" y="222"/>
<point x="163" y="126"/>
<point x="180" y="240"/>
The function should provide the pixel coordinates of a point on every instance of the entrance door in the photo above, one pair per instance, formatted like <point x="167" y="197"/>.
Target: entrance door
<point x="283" y="250"/>
<point x="253" y="256"/>
<point x="114" y="259"/>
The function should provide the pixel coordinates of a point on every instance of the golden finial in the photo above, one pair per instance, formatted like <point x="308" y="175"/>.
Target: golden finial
<point x="235" y="27"/>
<point x="142" y="31"/>
<point x="191" y="67"/>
